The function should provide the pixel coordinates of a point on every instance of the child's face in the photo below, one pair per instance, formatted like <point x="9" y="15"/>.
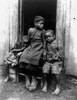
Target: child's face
<point x="49" y="37"/>
<point x="39" y="24"/>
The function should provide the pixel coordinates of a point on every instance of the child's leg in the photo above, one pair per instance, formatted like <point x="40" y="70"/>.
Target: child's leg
<point x="7" y="76"/>
<point x="56" y="70"/>
<point x="46" y="70"/>
<point x="27" y="76"/>
<point x="33" y="85"/>
<point x="44" y="89"/>
<point x="27" y="81"/>
<point x="57" y="90"/>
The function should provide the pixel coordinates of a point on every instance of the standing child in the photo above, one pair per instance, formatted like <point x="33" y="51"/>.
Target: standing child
<point x="31" y="57"/>
<point x="53" y="63"/>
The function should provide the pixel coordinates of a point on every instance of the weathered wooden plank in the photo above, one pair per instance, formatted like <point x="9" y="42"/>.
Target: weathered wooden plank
<point x="20" y="26"/>
<point x="72" y="56"/>
<point x="66" y="34"/>
<point x="60" y="21"/>
<point x="8" y="28"/>
<point x="4" y="29"/>
<point x="63" y="26"/>
<point x="13" y="22"/>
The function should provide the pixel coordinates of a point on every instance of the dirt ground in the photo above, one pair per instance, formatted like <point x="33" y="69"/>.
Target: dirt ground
<point x="17" y="91"/>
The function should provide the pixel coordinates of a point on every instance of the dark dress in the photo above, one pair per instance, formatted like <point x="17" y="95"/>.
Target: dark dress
<point x="33" y="53"/>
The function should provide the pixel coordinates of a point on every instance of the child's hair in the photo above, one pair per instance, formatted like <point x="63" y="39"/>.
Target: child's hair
<point x="51" y="32"/>
<point x="17" y="45"/>
<point x="38" y="18"/>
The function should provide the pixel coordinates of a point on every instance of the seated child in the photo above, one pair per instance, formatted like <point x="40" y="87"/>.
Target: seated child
<point x="13" y="56"/>
<point x="30" y="58"/>
<point x="53" y="60"/>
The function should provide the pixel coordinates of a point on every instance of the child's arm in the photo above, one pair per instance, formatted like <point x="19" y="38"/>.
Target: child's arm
<point x="18" y="50"/>
<point x="29" y="35"/>
<point x="58" y="55"/>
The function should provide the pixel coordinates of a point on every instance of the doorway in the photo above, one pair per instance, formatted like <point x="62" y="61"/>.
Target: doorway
<point x="32" y="8"/>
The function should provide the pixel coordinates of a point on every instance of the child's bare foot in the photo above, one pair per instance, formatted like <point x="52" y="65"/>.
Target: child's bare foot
<point x="14" y="80"/>
<point x="44" y="89"/>
<point x="33" y="85"/>
<point x="27" y="82"/>
<point x="57" y="90"/>
<point x="42" y="83"/>
<point x="6" y="80"/>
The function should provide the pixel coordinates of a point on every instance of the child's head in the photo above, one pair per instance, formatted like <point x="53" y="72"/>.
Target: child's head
<point x="39" y="22"/>
<point x="49" y="35"/>
<point x="17" y="44"/>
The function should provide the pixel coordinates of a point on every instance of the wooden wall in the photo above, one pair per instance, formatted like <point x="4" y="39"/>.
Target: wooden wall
<point x="66" y="32"/>
<point x="72" y="56"/>
<point x="8" y="27"/>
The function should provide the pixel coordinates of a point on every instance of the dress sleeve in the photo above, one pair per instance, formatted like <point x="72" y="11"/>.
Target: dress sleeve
<point x="30" y="31"/>
<point x="29" y="35"/>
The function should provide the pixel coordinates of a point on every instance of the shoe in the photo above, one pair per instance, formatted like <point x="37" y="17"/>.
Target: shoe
<point x="57" y="90"/>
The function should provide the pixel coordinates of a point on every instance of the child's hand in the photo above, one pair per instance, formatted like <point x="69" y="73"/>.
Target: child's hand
<point x="55" y="56"/>
<point x="44" y="53"/>
<point x="19" y="53"/>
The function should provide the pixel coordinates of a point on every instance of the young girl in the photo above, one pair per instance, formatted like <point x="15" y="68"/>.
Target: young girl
<point x="31" y="56"/>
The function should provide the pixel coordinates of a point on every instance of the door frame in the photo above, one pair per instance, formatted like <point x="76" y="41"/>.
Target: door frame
<point x="63" y="17"/>
<point x="63" y="26"/>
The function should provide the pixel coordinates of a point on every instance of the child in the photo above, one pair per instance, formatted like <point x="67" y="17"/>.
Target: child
<point x="13" y="56"/>
<point x="52" y="59"/>
<point x="31" y="57"/>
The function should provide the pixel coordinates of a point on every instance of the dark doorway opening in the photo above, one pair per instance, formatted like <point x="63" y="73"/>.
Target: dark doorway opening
<point x="45" y="8"/>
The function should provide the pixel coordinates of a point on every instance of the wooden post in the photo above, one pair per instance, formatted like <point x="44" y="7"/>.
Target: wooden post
<point x="20" y="20"/>
<point x="8" y="28"/>
<point x="60" y="21"/>
<point x="13" y="16"/>
<point x="63" y="25"/>
<point x="63" y="31"/>
<point x="4" y="32"/>
<point x="71" y="44"/>
<point x="67" y="33"/>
